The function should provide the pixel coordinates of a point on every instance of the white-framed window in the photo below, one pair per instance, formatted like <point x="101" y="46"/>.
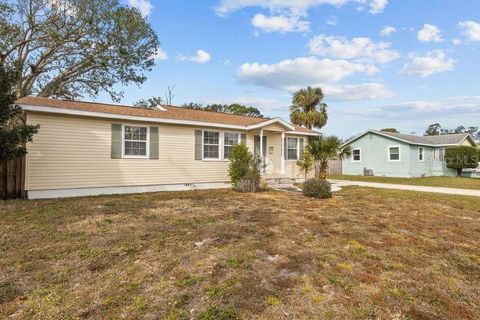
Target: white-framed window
<point x="135" y="141"/>
<point x="441" y="154"/>
<point x="421" y="154"/>
<point x="356" y="155"/>
<point x="230" y="139"/>
<point x="394" y="153"/>
<point x="211" y="145"/>
<point x="293" y="149"/>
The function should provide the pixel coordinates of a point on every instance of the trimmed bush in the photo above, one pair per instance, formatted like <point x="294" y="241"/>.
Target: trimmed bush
<point x="317" y="188"/>
<point x="244" y="169"/>
<point x="461" y="157"/>
<point x="240" y="159"/>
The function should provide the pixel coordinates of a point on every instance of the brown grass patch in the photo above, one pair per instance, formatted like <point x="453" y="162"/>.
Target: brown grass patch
<point x="365" y="253"/>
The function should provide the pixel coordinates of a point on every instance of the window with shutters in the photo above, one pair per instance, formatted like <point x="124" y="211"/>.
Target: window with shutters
<point x="293" y="149"/>
<point x="230" y="139"/>
<point x="441" y="154"/>
<point x="135" y="141"/>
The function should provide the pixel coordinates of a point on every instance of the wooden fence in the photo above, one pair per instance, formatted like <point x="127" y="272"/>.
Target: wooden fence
<point x="334" y="168"/>
<point x="12" y="177"/>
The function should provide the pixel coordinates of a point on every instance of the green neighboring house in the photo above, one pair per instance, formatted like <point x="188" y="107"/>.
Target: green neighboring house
<point x="402" y="155"/>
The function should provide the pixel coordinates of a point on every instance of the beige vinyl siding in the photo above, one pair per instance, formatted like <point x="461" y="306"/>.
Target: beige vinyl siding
<point x="274" y="140"/>
<point x="291" y="168"/>
<point x="275" y="127"/>
<point x="75" y="152"/>
<point x="467" y="142"/>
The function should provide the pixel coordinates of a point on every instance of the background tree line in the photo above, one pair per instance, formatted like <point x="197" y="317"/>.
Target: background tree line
<point x="436" y="129"/>
<point x="67" y="49"/>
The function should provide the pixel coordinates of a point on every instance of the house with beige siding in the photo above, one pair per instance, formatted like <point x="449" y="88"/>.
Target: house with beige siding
<point x="86" y="148"/>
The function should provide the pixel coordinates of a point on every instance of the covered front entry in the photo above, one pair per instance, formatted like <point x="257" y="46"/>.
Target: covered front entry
<point x="256" y="150"/>
<point x="270" y="141"/>
<point x="272" y="155"/>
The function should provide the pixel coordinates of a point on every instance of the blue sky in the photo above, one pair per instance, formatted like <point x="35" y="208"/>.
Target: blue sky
<point x="381" y="63"/>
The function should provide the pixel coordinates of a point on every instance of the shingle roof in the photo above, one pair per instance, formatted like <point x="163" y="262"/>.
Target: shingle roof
<point x="168" y="112"/>
<point x="447" y="139"/>
<point x="429" y="140"/>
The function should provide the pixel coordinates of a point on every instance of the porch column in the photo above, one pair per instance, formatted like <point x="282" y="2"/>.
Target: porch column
<point x="261" y="151"/>
<point x="282" y="160"/>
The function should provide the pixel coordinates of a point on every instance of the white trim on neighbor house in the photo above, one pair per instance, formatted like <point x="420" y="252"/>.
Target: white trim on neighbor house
<point x="469" y="137"/>
<point x="360" y="154"/>
<point x="399" y="153"/>
<point x="37" y="108"/>
<point x="147" y="156"/>
<point x="441" y="154"/>
<point x="82" y="192"/>
<point x="422" y="154"/>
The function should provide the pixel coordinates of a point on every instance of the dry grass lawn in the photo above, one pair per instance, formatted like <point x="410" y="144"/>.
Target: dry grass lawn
<point x="364" y="254"/>
<point x="444" y="182"/>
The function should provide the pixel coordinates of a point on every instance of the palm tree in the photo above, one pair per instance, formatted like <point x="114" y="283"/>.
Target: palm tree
<point x="327" y="148"/>
<point x="307" y="109"/>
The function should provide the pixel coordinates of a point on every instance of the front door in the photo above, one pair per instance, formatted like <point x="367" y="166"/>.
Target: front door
<point x="256" y="150"/>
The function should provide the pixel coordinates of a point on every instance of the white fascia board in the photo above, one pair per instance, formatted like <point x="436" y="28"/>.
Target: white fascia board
<point x="301" y="133"/>
<point x="354" y="138"/>
<point x="127" y="117"/>
<point x="470" y="138"/>
<point x="36" y="108"/>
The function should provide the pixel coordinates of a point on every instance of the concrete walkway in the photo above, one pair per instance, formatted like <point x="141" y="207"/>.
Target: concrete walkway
<point x="338" y="184"/>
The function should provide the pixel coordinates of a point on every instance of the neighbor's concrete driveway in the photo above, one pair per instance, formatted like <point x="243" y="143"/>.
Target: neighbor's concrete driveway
<point x="338" y="184"/>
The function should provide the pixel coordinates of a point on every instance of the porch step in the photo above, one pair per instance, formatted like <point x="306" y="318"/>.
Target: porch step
<point x="283" y="186"/>
<point x="279" y="180"/>
<point x="281" y="183"/>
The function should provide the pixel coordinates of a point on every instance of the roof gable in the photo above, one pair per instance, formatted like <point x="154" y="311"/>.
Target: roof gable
<point x="441" y="140"/>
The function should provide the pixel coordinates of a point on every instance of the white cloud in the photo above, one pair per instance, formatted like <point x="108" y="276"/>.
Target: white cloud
<point x="356" y="92"/>
<point x="332" y="21"/>
<point x="377" y="6"/>
<point x="451" y="106"/>
<point x="430" y="33"/>
<point x="295" y="7"/>
<point x="422" y="110"/>
<point x="160" y="55"/>
<point x="433" y="62"/>
<point x="201" y="57"/>
<point x="356" y="48"/>
<point x="471" y="30"/>
<point x="144" y="6"/>
<point x="280" y="23"/>
<point x="387" y="30"/>
<point x="292" y="74"/>
<point x="457" y="41"/>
